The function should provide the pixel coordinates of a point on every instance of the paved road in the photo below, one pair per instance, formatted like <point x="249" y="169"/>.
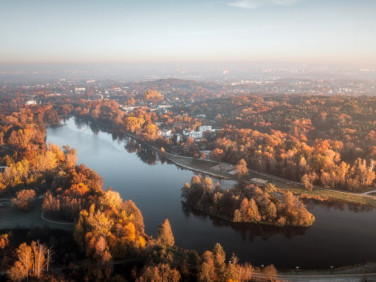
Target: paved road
<point x="53" y="221"/>
<point x="5" y="202"/>
<point x="316" y="278"/>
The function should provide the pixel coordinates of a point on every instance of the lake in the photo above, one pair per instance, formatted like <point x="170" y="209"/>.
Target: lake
<point x="342" y="235"/>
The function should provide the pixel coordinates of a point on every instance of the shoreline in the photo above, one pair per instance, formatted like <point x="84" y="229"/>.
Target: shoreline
<point x="222" y="217"/>
<point x="203" y="167"/>
<point x="177" y="159"/>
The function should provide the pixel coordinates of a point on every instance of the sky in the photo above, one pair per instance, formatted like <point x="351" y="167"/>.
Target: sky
<point x="143" y="31"/>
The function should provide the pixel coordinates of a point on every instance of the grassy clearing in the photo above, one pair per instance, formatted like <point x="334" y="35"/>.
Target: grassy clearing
<point x="336" y="195"/>
<point x="13" y="217"/>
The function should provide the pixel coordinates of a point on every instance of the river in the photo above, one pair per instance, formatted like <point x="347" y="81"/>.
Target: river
<point x="340" y="236"/>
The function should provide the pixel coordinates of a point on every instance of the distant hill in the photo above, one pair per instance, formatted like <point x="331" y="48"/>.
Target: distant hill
<point x="177" y="85"/>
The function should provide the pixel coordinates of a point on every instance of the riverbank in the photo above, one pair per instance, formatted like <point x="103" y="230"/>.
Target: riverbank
<point x="359" y="272"/>
<point x="155" y="188"/>
<point x="226" y="218"/>
<point x="207" y="167"/>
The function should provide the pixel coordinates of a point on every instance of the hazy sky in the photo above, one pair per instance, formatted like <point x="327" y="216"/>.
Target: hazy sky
<point x="40" y="31"/>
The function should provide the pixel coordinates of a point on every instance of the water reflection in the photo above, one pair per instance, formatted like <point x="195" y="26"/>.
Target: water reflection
<point x="341" y="206"/>
<point x="247" y="231"/>
<point x="147" y="156"/>
<point x="341" y="235"/>
<point x="131" y="145"/>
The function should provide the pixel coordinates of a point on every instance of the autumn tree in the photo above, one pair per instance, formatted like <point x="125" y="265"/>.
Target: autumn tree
<point x="219" y="256"/>
<point x="203" y="155"/>
<point x="160" y="273"/>
<point x="105" y="232"/>
<point x="4" y="240"/>
<point x="24" y="199"/>
<point x="217" y="154"/>
<point x="308" y="179"/>
<point x="165" y="236"/>
<point x="39" y="258"/>
<point x="150" y="131"/>
<point x="206" y="271"/>
<point x="241" y="168"/>
<point x="133" y="124"/>
<point x="208" y="183"/>
<point x="236" y="272"/>
<point x="153" y="96"/>
<point x="270" y="272"/>
<point x="31" y="260"/>
<point x="24" y="263"/>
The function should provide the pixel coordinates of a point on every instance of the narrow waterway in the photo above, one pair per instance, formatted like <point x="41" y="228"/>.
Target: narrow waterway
<point x="340" y="236"/>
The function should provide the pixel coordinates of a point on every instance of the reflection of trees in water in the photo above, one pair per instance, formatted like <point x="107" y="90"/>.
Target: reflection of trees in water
<point x="96" y="127"/>
<point x="147" y="156"/>
<point x="143" y="153"/>
<point x="80" y="122"/>
<point x="248" y="231"/>
<point x="338" y="205"/>
<point x="131" y="146"/>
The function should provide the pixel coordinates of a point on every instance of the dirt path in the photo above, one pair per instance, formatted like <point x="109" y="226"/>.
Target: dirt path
<point x="367" y="193"/>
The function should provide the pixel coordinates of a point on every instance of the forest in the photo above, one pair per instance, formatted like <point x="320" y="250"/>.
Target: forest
<point x="320" y="140"/>
<point x="108" y="231"/>
<point x="329" y="141"/>
<point x="325" y="141"/>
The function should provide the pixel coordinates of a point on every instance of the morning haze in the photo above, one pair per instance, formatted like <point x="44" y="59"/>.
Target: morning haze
<point x="197" y="140"/>
<point x="299" y="31"/>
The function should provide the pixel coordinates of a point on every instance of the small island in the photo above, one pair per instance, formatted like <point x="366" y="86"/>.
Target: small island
<point x="247" y="203"/>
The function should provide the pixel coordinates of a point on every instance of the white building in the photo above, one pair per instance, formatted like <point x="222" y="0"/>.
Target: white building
<point x="79" y="89"/>
<point x="31" y="102"/>
<point x="128" y="109"/>
<point x="193" y="134"/>
<point x="166" y="133"/>
<point x="179" y="137"/>
<point x="204" y="128"/>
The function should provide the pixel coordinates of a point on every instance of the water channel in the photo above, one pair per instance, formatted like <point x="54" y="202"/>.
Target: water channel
<point x="342" y="235"/>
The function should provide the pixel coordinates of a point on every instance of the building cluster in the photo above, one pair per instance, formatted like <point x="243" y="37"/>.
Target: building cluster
<point x="195" y="134"/>
<point x="305" y="86"/>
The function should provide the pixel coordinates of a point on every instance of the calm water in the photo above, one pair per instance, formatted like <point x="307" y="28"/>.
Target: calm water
<point x="340" y="236"/>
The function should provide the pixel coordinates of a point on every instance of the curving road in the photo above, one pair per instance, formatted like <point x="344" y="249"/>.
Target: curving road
<point x="318" y="277"/>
